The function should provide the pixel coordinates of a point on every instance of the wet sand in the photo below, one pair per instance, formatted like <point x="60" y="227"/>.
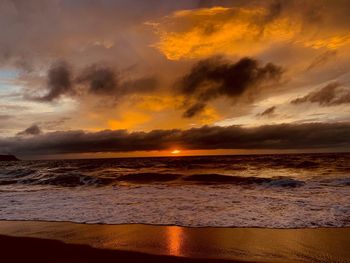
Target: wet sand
<point x="32" y="241"/>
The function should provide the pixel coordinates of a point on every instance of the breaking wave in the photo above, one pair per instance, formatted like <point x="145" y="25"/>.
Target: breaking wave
<point x="279" y="191"/>
<point x="71" y="179"/>
<point x="261" y="170"/>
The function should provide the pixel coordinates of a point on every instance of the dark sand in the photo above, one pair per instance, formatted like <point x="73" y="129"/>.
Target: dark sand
<point x="32" y="241"/>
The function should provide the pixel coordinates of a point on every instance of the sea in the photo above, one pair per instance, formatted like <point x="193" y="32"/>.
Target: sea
<point x="270" y="191"/>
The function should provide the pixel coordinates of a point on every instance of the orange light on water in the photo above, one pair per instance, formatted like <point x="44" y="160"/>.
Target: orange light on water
<point x="175" y="240"/>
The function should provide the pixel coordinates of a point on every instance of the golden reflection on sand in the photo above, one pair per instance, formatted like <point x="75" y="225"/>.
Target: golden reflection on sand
<point x="175" y="240"/>
<point x="240" y="244"/>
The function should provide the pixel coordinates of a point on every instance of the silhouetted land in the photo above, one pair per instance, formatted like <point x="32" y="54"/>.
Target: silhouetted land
<point x="8" y="158"/>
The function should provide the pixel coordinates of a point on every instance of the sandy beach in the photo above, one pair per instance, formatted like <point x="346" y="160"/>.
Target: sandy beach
<point x="70" y="242"/>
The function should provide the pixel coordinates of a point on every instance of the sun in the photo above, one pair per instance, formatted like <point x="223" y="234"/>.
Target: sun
<point x="175" y="152"/>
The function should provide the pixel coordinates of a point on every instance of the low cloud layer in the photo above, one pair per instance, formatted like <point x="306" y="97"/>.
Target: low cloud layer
<point x="283" y="136"/>
<point x="330" y="95"/>
<point x="215" y="77"/>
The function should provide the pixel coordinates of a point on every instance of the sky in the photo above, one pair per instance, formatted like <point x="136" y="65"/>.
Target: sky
<point x="108" y="78"/>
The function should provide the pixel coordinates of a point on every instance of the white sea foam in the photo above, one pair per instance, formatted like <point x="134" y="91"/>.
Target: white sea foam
<point x="194" y="206"/>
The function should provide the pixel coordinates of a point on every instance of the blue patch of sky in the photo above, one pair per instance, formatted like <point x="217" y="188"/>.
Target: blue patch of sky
<point x="7" y="86"/>
<point x="8" y="74"/>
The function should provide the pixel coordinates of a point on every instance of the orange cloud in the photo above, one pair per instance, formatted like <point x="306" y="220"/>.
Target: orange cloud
<point x="331" y="43"/>
<point x="241" y="31"/>
<point x="146" y="113"/>
<point x="205" y="32"/>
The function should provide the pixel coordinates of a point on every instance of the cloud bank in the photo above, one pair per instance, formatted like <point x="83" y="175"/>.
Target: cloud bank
<point x="283" y="136"/>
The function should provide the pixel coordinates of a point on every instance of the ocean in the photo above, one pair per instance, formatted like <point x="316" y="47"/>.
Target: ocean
<point x="273" y="191"/>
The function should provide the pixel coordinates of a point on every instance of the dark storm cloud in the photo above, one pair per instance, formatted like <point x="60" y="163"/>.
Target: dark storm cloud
<point x="268" y="112"/>
<point x="96" y="80"/>
<point x="32" y="130"/>
<point x="58" y="82"/>
<point x="101" y="80"/>
<point x="282" y="136"/>
<point x="194" y="110"/>
<point x="215" y="77"/>
<point x="330" y="95"/>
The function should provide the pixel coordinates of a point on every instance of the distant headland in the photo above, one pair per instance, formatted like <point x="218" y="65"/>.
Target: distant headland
<point x="8" y="157"/>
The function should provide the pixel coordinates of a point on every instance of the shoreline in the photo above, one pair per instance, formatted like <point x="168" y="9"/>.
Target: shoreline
<point x="180" y="244"/>
<point x="170" y="225"/>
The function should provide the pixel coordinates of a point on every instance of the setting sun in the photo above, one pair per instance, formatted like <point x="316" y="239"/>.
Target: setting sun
<point x="176" y="152"/>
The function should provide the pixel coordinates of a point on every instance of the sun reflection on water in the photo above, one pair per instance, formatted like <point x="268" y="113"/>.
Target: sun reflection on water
<point x="175" y="240"/>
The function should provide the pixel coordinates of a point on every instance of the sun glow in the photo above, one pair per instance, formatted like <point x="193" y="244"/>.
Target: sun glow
<point x="175" y="240"/>
<point x="175" y="152"/>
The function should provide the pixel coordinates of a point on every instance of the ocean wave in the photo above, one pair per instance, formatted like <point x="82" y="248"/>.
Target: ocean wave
<point x="220" y="178"/>
<point x="77" y="179"/>
<point x="273" y="171"/>
<point x="149" y="177"/>
<point x="280" y="191"/>
<point x="240" y="180"/>
<point x="73" y="180"/>
<point x="337" y="182"/>
<point x="185" y="205"/>
<point x="285" y="182"/>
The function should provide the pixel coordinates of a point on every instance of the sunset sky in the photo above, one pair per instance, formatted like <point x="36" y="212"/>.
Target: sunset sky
<point x="108" y="78"/>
